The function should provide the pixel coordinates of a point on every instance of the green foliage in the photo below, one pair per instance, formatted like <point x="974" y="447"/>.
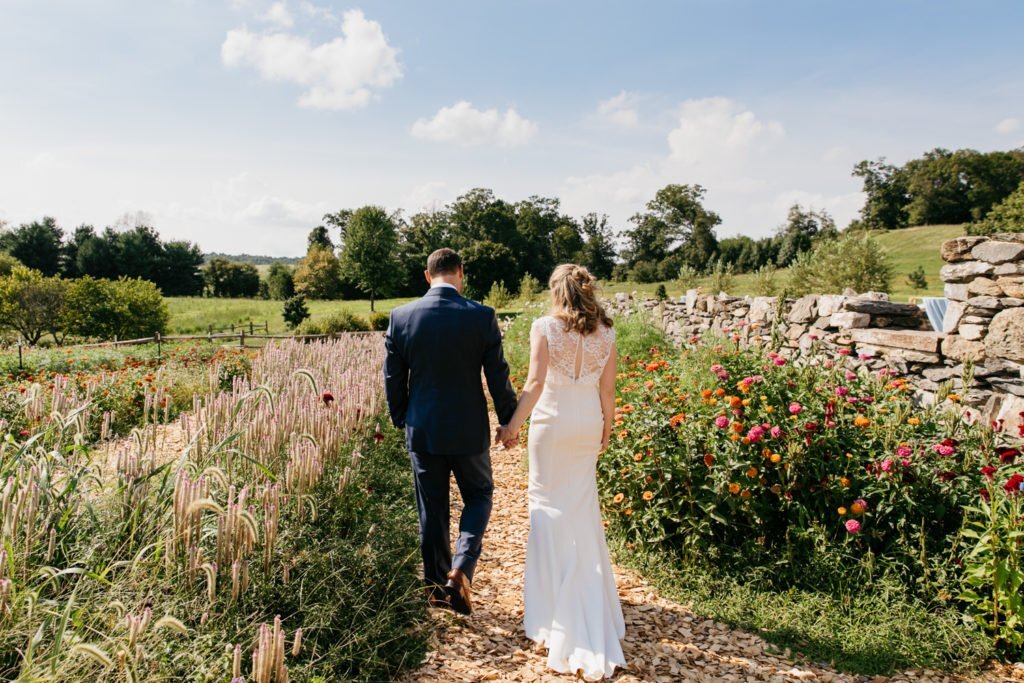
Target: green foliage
<point x="688" y="277"/>
<point x="318" y="275"/>
<point x="674" y="230"/>
<point x="917" y="278"/>
<point x="765" y="281"/>
<point x="487" y="264"/>
<point x="336" y="323"/>
<point x="369" y="251"/>
<point x="226" y="279"/>
<point x="940" y="187"/>
<point x="280" y="285"/>
<point x="801" y="231"/>
<point x="499" y="297"/>
<point x="994" y="567"/>
<point x="36" y="245"/>
<point x="320" y="238"/>
<point x="529" y="287"/>
<point x="7" y="264"/>
<point x="721" y="279"/>
<point x="1007" y="216"/>
<point x="31" y="304"/>
<point x="295" y="311"/>
<point x="114" y="309"/>
<point x="851" y="261"/>
<point x="660" y="293"/>
<point x="379" y="321"/>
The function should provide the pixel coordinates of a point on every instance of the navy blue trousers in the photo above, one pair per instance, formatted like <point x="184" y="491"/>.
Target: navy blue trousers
<point x="476" y="485"/>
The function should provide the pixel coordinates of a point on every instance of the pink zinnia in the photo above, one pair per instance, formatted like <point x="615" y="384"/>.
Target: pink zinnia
<point x="755" y="434"/>
<point x="780" y="361"/>
<point x="904" y="451"/>
<point x="842" y="391"/>
<point x="721" y="422"/>
<point x="723" y="375"/>
<point x="861" y="502"/>
<point x="852" y="526"/>
<point x="716" y="368"/>
<point x="844" y="352"/>
<point x="886" y="465"/>
<point x="943" y="449"/>
<point x="776" y="432"/>
<point x="795" y="408"/>
<point x="850" y="374"/>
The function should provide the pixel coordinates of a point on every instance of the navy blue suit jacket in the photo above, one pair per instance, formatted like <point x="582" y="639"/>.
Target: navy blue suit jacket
<point x="436" y="347"/>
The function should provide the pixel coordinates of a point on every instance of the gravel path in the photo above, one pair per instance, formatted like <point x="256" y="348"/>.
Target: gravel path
<point x="664" y="641"/>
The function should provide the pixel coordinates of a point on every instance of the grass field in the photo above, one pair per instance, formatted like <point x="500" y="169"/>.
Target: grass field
<point x="908" y="249"/>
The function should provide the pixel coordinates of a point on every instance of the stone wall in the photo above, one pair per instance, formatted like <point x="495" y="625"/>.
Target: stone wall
<point x="983" y="324"/>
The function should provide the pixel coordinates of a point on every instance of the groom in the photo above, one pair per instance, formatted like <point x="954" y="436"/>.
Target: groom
<point x="436" y="347"/>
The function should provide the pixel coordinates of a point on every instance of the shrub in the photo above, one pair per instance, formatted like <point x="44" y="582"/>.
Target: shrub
<point x="721" y="277"/>
<point x="917" y="279"/>
<point x="379" y="321"/>
<point x="7" y="264"/>
<point x="688" y="277"/>
<point x="764" y="281"/>
<point x="853" y="261"/>
<point x="336" y="323"/>
<point x="529" y="287"/>
<point x="499" y="297"/>
<point x="295" y="311"/>
<point x="31" y="304"/>
<point x="1007" y="216"/>
<point x="660" y="293"/>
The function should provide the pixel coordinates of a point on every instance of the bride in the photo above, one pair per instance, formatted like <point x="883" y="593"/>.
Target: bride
<point x="571" y="603"/>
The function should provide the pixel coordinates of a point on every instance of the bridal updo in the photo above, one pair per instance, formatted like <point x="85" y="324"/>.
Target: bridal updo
<point x="574" y="299"/>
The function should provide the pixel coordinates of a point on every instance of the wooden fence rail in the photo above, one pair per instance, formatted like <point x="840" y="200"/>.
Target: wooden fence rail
<point x="241" y="336"/>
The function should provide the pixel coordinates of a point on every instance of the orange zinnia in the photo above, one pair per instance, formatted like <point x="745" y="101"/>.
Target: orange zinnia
<point x="734" y="488"/>
<point x="619" y="497"/>
<point x="648" y="495"/>
<point x="709" y="460"/>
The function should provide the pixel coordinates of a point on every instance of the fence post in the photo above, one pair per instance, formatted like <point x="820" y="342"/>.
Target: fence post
<point x="266" y="326"/>
<point x="21" y="365"/>
<point x="159" y="353"/>
<point x="251" y="331"/>
<point x="241" y="338"/>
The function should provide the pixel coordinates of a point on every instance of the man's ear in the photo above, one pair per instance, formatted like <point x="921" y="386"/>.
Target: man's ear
<point x="426" y="274"/>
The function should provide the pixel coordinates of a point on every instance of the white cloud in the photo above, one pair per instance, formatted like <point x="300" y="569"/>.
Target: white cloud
<point x="715" y="126"/>
<point x="619" y="110"/>
<point x="276" y="211"/>
<point x="466" y="125"/>
<point x="428" y="196"/>
<point x="1007" y="126"/>
<point x="752" y="172"/>
<point x="278" y="14"/>
<point x="344" y="73"/>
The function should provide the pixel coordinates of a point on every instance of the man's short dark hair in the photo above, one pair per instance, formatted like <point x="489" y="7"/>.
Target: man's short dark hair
<point x="444" y="261"/>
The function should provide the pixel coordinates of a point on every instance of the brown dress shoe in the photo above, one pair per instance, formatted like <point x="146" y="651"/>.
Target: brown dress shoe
<point x="460" y="597"/>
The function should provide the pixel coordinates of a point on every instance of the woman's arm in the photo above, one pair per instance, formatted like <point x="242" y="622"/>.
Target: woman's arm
<point x="607" y="389"/>
<point x="534" y="384"/>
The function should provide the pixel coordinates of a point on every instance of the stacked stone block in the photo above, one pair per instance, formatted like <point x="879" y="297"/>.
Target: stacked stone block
<point x="984" y="324"/>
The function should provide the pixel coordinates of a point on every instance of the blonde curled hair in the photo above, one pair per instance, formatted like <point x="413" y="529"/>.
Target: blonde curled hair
<point x="574" y="299"/>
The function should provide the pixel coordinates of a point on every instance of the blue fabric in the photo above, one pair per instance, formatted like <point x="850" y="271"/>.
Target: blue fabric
<point x="935" y="308"/>
<point x="476" y="486"/>
<point x="436" y="347"/>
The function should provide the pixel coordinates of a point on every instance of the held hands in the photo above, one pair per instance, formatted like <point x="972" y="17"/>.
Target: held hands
<point x="505" y="436"/>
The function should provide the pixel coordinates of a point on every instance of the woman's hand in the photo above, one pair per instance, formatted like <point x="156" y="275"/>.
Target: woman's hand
<point x="605" y="438"/>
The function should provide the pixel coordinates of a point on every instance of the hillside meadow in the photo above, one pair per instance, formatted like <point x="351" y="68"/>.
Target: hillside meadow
<point x="908" y="249"/>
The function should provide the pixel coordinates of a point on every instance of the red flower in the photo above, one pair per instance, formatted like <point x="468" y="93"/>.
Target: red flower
<point x="989" y="472"/>
<point x="24" y="432"/>
<point x="1014" y="485"/>
<point x="327" y="398"/>
<point x="984" y="495"/>
<point x="378" y="435"/>
<point x="1008" y="455"/>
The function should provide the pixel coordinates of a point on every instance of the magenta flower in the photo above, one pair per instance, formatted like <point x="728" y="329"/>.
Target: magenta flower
<point x="716" y="368"/>
<point x="852" y="526"/>
<point x="904" y="451"/>
<point x="755" y="434"/>
<point x="721" y="422"/>
<point x="886" y="465"/>
<point x="866" y="356"/>
<point x="795" y="408"/>
<point x="828" y="364"/>
<point x="850" y="374"/>
<point x="862" y="503"/>
<point x="780" y="361"/>
<point x="842" y="391"/>
<point x="844" y="352"/>
<point x="723" y="375"/>
<point x="776" y="432"/>
<point x="943" y="450"/>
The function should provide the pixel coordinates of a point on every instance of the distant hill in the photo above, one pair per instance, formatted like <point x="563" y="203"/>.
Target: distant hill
<point x="255" y="260"/>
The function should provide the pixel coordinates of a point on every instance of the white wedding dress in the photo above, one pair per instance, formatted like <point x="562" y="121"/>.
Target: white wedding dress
<point x="571" y="603"/>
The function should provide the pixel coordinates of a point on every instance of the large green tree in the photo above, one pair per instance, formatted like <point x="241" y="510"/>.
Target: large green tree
<point x="32" y="304"/>
<point x="38" y="245"/>
<point x="318" y="275"/>
<point x="369" y="252"/>
<point x="885" y="186"/>
<point x="180" y="271"/>
<point x="802" y="229"/>
<point x="598" y="251"/>
<point x="674" y="230"/>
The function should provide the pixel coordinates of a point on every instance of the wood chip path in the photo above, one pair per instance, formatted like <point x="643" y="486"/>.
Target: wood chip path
<point x="665" y="642"/>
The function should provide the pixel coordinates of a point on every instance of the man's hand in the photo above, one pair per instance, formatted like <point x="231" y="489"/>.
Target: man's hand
<point x="505" y="436"/>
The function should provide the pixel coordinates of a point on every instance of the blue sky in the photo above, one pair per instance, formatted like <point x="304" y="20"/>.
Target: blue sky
<point x="237" y="123"/>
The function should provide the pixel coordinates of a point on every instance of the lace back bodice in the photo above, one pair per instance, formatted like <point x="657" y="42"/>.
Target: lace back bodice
<point x="575" y="357"/>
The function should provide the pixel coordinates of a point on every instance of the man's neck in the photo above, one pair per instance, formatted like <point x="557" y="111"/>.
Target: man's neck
<point x="439" y="282"/>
